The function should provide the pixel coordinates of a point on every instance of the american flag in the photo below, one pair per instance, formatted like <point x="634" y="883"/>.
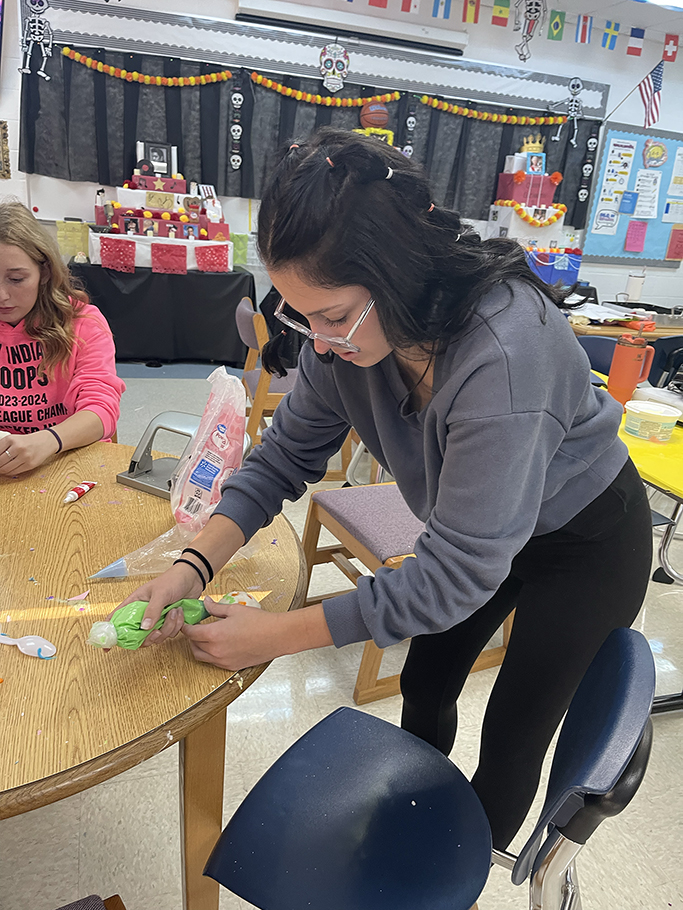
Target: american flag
<point x="651" y="92"/>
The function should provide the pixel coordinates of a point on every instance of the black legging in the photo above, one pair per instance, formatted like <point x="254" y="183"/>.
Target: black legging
<point x="570" y="588"/>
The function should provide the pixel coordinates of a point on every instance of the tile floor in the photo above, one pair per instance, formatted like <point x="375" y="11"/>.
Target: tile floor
<point x="122" y="836"/>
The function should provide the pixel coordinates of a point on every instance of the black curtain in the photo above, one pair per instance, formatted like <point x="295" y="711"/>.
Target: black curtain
<point x="83" y="125"/>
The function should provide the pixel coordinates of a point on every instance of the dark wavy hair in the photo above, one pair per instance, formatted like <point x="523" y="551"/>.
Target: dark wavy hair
<point x="345" y="209"/>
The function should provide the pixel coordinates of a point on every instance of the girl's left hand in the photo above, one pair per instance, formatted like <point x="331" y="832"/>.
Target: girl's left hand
<point x="243" y="636"/>
<point x="24" y="453"/>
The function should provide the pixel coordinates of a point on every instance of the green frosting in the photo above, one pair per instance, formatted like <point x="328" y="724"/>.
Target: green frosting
<point x="126" y="621"/>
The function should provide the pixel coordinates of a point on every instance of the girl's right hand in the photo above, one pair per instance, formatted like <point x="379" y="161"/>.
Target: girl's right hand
<point x="178" y="582"/>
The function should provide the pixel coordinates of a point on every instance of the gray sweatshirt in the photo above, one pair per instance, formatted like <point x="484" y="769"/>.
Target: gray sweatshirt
<point x="514" y="443"/>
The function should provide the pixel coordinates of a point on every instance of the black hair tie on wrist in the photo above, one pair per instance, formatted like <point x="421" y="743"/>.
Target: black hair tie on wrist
<point x="196" y="568"/>
<point x="56" y="436"/>
<point x="201" y="558"/>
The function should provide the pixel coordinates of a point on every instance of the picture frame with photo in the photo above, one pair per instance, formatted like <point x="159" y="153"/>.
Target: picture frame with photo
<point x="535" y="163"/>
<point x="191" y="231"/>
<point x="163" y="156"/>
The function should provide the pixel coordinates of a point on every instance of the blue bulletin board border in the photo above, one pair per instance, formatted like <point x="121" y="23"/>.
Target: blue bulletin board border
<point x="609" y="248"/>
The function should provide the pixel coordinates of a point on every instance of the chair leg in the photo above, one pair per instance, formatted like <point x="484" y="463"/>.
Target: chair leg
<point x="346" y="454"/>
<point x="309" y="540"/>
<point x="368" y="686"/>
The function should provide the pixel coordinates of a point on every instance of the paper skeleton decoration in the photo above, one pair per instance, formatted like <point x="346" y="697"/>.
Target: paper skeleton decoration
<point x="574" y="109"/>
<point x="334" y="66"/>
<point x="535" y="12"/>
<point x="37" y="31"/>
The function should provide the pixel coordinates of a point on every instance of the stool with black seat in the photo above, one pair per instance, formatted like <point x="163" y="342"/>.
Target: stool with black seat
<point x="361" y="814"/>
<point x="374" y="525"/>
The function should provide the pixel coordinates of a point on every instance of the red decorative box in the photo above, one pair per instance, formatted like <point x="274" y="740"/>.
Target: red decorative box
<point x="535" y="190"/>
<point x="218" y="231"/>
<point x="162" y="184"/>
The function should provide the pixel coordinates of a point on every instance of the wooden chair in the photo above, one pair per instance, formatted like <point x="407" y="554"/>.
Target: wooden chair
<point x="96" y="903"/>
<point x="264" y="391"/>
<point x="373" y="524"/>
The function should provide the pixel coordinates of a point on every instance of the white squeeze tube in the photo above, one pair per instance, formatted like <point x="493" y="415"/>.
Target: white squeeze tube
<point x="215" y="454"/>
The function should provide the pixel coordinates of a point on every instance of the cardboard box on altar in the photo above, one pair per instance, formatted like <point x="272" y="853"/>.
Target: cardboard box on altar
<point x="155" y="182"/>
<point x="505" y="222"/>
<point x="535" y="189"/>
<point x="143" y="249"/>
<point x="161" y="226"/>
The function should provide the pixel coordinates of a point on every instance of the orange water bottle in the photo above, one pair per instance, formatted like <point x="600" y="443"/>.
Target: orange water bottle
<point x="630" y="365"/>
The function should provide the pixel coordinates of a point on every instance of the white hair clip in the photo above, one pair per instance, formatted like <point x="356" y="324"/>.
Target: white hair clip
<point x="390" y="173"/>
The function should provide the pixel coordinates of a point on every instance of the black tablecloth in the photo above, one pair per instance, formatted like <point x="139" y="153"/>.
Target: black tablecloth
<point x="170" y="317"/>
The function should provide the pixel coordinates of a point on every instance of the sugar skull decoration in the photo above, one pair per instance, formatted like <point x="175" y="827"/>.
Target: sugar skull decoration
<point x="334" y="66"/>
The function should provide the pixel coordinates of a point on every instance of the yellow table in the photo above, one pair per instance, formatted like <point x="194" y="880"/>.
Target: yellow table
<point x="87" y="715"/>
<point x="661" y="466"/>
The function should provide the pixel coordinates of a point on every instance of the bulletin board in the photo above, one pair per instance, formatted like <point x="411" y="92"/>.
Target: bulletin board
<point x="637" y="208"/>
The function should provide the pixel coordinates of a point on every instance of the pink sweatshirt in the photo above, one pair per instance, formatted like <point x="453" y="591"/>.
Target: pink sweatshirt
<point x="30" y="402"/>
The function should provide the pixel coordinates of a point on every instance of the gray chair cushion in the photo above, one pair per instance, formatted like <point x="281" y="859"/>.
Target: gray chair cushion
<point x="86" y="903"/>
<point x="376" y="515"/>
<point x="244" y="320"/>
<point x="277" y="385"/>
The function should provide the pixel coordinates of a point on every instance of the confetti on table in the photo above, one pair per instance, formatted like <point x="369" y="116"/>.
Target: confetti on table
<point x="42" y="491"/>
<point x="274" y="542"/>
<point x="114" y="502"/>
<point x="39" y="732"/>
<point x="50" y="597"/>
<point x="31" y="549"/>
<point x="31" y="578"/>
<point x="78" y="596"/>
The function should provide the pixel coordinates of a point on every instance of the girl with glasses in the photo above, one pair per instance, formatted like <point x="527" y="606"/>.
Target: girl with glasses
<point x="455" y="365"/>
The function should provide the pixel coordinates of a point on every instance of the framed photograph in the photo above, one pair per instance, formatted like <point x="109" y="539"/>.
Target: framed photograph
<point x="164" y="157"/>
<point x="540" y="214"/>
<point x="131" y="225"/>
<point x="149" y="224"/>
<point x="190" y="231"/>
<point x="535" y="163"/>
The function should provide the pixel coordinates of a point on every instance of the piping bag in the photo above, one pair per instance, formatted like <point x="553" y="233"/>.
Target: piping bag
<point x="123" y="629"/>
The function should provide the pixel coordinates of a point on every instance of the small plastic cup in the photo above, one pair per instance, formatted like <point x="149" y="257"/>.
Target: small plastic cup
<point x="651" y="420"/>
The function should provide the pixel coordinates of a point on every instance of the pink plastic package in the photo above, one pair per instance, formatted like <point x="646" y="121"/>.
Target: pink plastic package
<point x="216" y="453"/>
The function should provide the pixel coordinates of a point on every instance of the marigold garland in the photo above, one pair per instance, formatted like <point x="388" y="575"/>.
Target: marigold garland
<point x="325" y="100"/>
<point x="486" y="115"/>
<point x="142" y="78"/>
<point x="528" y="219"/>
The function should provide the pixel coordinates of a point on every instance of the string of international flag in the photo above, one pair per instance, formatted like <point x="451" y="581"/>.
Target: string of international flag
<point x="443" y="9"/>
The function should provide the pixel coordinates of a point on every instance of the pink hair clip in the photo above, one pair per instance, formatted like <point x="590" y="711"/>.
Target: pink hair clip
<point x="431" y="208"/>
<point x="294" y="145"/>
<point x="330" y="162"/>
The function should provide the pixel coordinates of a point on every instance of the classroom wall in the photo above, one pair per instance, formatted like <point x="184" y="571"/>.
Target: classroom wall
<point x="663" y="287"/>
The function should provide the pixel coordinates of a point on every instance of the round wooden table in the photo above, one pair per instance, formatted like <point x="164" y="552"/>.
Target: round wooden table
<point x="86" y="715"/>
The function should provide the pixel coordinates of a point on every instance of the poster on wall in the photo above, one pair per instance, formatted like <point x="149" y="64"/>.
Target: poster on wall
<point x="614" y="183"/>
<point x="647" y="188"/>
<point x="637" y="214"/>
<point x="676" y="184"/>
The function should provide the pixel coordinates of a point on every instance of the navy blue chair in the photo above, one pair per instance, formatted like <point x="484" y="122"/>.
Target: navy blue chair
<point x="600" y="351"/>
<point x="664" y="358"/>
<point x="361" y="814"/>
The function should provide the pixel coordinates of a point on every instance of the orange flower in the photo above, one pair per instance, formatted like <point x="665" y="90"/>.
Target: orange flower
<point x="519" y="177"/>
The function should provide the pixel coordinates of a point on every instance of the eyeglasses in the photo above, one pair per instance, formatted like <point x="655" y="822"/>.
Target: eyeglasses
<point x="334" y="342"/>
